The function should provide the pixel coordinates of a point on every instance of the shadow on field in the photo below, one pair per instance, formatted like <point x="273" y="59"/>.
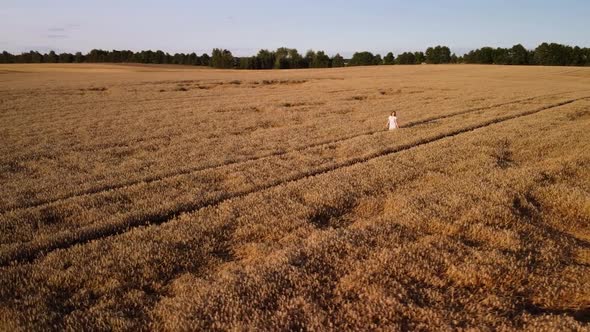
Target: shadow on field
<point x="581" y="315"/>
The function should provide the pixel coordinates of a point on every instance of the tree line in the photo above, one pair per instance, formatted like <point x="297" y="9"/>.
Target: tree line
<point x="114" y="56"/>
<point x="545" y="54"/>
<point x="281" y="58"/>
<point x="289" y="58"/>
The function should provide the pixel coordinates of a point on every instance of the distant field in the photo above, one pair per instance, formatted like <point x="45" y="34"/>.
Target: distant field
<point x="173" y="198"/>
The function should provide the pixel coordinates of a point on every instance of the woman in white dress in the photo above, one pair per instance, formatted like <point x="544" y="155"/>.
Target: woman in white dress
<point x="392" y="121"/>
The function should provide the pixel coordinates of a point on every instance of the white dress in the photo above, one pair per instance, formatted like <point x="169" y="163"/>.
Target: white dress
<point x="392" y="122"/>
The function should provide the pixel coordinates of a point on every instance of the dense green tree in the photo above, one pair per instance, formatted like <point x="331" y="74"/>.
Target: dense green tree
<point x="6" y="57"/>
<point x="205" y="59"/>
<point x="289" y="58"/>
<point x="192" y="59"/>
<point x="179" y="59"/>
<point x="337" y="61"/>
<point x="377" y="60"/>
<point x="320" y="60"/>
<point x="501" y="56"/>
<point x="297" y="61"/>
<point x="309" y="56"/>
<point x="51" y="57"/>
<point x="36" y="57"/>
<point x="554" y="55"/>
<point x="248" y="63"/>
<point x="78" y="57"/>
<point x="389" y="59"/>
<point x="438" y="54"/>
<point x="578" y="56"/>
<point x="281" y="58"/>
<point x="221" y="59"/>
<point x="97" y="56"/>
<point x="66" y="58"/>
<point x="543" y="54"/>
<point x="159" y="57"/>
<point x="516" y="55"/>
<point x="484" y="55"/>
<point x="431" y="56"/>
<point x="519" y="55"/>
<point x="406" y="58"/>
<point x="419" y="57"/>
<point x="445" y="54"/>
<point x="114" y="56"/>
<point x="362" y="59"/>
<point x="265" y="59"/>
<point x="586" y="56"/>
<point x="25" y="57"/>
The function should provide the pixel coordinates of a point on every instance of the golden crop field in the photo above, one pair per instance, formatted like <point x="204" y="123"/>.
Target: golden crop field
<point x="178" y="198"/>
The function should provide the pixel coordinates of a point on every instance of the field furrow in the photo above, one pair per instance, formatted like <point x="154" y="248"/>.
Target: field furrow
<point x="419" y="229"/>
<point x="50" y="229"/>
<point x="277" y="152"/>
<point x="177" y="198"/>
<point x="47" y="156"/>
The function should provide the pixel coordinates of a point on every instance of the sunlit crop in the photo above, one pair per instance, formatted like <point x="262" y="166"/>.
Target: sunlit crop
<point x="146" y="197"/>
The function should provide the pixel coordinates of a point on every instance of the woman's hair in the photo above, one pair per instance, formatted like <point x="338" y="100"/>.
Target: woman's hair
<point x="393" y="113"/>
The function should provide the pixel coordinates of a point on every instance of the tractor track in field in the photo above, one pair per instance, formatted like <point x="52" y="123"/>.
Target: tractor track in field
<point x="27" y="252"/>
<point x="189" y="170"/>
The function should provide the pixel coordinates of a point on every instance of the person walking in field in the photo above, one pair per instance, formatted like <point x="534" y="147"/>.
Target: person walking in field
<point x="392" y="121"/>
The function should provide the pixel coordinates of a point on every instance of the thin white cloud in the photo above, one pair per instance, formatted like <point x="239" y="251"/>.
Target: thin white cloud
<point x="56" y="36"/>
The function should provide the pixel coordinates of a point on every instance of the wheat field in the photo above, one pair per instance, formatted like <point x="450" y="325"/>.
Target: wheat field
<point x="178" y="198"/>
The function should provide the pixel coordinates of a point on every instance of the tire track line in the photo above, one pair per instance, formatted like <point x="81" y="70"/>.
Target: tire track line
<point x="159" y="177"/>
<point x="28" y="252"/>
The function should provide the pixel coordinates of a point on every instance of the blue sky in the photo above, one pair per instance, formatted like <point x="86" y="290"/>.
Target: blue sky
<point x="246" y="26"/>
